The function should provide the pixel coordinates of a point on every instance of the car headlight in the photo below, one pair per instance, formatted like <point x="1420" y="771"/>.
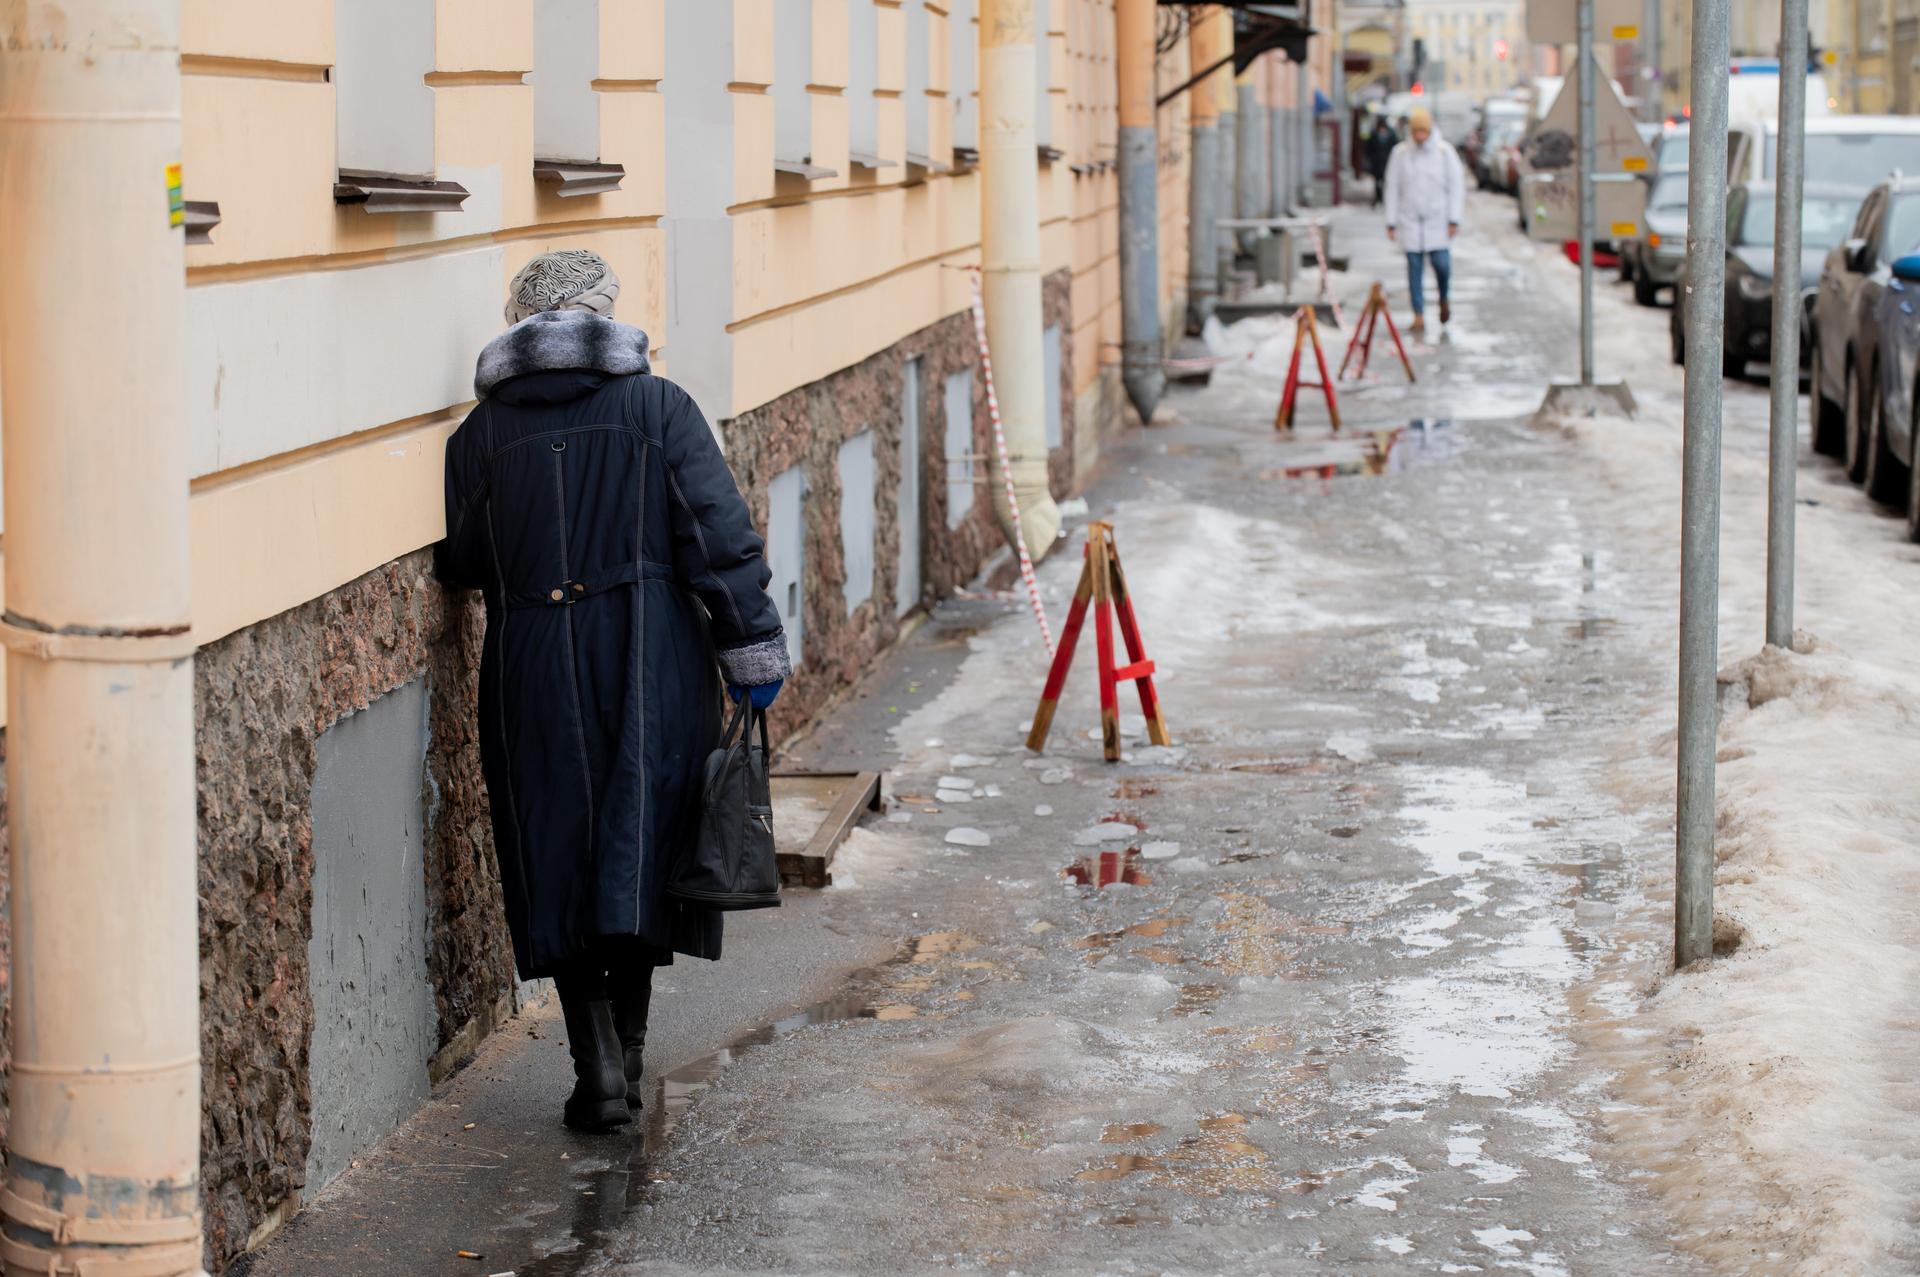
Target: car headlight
<point x="1755" y="287"/>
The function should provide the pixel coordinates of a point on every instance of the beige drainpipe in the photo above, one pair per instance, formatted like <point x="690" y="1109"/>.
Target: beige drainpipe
<point x="1010" y="262"/>
<point x="104" y="1131"/>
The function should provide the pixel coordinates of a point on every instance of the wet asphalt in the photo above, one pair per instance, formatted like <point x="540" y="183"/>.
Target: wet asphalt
<point x="1323" y="1016"/>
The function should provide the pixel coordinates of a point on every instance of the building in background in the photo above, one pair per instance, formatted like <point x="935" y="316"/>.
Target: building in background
<point x="1471" y="47"/>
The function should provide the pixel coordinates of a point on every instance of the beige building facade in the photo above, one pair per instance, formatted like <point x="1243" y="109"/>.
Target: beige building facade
<point x="790" y="193"/>
<point x="1480" y="48"/>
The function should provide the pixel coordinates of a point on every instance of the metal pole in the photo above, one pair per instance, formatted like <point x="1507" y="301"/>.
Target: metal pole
<point x="1585" y="77"/>
<point x="1700" y="487"/>
<point x="1655" y="85"/>
<point x="1141" y="343"/>
<point x="103" y="1136"/>
<point x="1783" y="449"/>
<point x="1303" y="123"/>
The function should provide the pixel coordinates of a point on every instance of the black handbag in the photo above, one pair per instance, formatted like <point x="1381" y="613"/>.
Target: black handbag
<point x="731" y="864"/>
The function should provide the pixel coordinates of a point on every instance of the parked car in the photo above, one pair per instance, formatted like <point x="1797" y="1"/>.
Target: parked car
<point x="1499" y="157"/>
<point x="1652" y="259"/>
<point x="1846" y="318"/>
<point x="1670" y="150"/>
<point x="1893" y="443"/>
<point x="1825" y="216"/>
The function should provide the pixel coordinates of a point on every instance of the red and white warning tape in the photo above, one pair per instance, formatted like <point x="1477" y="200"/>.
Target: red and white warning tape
<point x="1326" y="285"/>
<point x="1006" y="469"/>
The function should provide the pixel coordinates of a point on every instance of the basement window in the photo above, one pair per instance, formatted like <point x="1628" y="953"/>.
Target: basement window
<point x="566" y="107"/>
<point x="958" y="403"/>
<point x="384" y="50"/>
<point x="964" y="81"/>
<point x="857" y="517"/>
<point x="863" y="109"/>
<point x="792" y="104"/>
<point x="787" y="554"/>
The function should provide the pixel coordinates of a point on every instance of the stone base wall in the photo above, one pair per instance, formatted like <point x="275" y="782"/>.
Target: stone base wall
<point x="806" y="428"/>
<point x="263" y="697"/>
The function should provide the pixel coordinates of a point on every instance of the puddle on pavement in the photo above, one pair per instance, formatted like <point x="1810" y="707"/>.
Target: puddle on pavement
<point x="607" y="1197"/>
<point x="1117" y="1133"/>
<point x="1107" y="869"/>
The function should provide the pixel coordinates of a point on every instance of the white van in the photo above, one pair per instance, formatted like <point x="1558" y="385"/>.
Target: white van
<point x="1842" y="150"/>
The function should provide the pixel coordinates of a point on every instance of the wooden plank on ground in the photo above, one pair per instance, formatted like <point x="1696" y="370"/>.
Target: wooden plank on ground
<point x="812" y="814"/>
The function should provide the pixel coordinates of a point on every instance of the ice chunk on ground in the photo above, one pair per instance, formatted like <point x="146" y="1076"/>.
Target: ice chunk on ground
<point x="965" y="836"/>
<point x="1105" y="831"/>
<point x="1350" y="747"/>
<point x="960" y="762"/>
<point x="1043" y="810"/>
<point x="993" y="791"/>
<point x="1160" y="850"/>
<point x="956" y="782"/>
<point x="1188" y="865"/>
<point x="1055" y="776"/>
<point x="954" y="796"/>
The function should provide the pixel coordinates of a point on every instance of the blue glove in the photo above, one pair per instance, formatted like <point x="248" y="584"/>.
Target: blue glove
<point x="761" y="693"/>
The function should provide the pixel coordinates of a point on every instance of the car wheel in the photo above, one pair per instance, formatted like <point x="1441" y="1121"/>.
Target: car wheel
<point x="1732" y="363"/>
<point x="1882" y="468"/>
<point x="1829" y="418"/>
<point x="1626" y="266"/>
<point x="1856" y="453"/>
<point x="1913" y="487"/>
<point x="1645" y="291"/>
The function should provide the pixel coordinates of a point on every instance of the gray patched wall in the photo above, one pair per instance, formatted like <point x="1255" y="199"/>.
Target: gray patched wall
<point x="374" y="1024"/>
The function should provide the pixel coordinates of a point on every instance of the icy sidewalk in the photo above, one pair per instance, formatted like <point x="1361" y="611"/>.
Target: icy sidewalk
<point x="1775" y="1088"/>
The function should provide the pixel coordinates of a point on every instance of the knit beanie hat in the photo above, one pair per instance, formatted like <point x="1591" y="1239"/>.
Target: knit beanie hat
<point x="571" y="279"/>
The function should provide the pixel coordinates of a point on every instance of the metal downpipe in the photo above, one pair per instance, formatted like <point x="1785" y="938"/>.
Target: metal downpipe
<point x="1203" y="177"/>
<point x="1010" y="263"/>
<point x="1142" y="344"/>
<point x="103" y="1158"/>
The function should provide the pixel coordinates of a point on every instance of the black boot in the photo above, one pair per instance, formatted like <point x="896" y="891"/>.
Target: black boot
<point x="598" y="1102"/>
<point x="632" y="995"/>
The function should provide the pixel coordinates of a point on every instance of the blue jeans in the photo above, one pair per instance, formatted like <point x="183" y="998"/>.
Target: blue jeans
<point x="1442" y="259"/>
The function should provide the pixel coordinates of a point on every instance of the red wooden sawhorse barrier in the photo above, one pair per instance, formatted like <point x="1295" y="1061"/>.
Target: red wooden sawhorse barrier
<point x="1104" y="586"/>
<point x="1305" y="330"/>
<point x="1362" y="340"/>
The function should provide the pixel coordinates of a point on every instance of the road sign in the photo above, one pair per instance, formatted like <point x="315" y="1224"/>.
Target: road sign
<point x="1549" y="191"/>
<point x="1558" y="21"/>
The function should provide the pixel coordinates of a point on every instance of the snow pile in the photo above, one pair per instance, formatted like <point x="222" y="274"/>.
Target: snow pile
<point x="1772" y="1089"/>
<point x="1783" y="1126"/>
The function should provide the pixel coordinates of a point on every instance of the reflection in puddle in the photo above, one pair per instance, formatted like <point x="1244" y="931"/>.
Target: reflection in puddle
<point x="1109" y="868"/>
<point x="1128" y="1133"/>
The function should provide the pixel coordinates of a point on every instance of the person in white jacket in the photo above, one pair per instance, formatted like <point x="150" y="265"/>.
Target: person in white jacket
<point x="1426" y="197"/>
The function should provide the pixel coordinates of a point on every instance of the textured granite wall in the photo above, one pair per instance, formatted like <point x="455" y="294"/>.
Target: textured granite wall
<point x="806" y="428"/>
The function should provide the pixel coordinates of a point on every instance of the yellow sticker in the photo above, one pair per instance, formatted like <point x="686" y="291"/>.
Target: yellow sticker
<point x="1625" y="230"/>
<point x="1626" y="33"/>
<point x="1634" y="164"/>
<point x="1830" y="56"/>
<point x="176" y="206"/>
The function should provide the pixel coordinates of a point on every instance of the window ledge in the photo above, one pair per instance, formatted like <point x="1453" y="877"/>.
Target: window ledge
<point x="965" y="157"/>
<point x="571" y="179"/>
<point x="201" y="217"/>
<point x="926" y="164"/>
<point x="805" y="169"/>
<point x="1048" y="154"/>
<point x="862" y="159"/>
<point x="394" y="195"/>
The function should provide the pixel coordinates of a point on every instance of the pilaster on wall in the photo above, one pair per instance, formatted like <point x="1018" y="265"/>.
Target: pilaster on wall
<point x="700" y="164"/>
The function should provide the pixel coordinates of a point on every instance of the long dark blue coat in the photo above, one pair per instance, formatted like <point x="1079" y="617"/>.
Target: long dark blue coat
<point x="590" y="502"/>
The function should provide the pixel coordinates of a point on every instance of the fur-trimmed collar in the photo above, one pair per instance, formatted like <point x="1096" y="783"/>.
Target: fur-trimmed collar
<point x="556" y="339"/>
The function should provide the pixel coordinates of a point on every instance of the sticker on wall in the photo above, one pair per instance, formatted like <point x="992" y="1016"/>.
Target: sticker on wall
<point x="176" y="206"/>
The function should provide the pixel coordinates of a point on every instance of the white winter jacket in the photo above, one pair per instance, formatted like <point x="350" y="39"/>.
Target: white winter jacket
<point x="1426" y="190"/>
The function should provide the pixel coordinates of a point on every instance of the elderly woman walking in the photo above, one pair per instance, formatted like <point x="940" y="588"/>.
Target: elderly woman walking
<point x="624" y="581"/>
